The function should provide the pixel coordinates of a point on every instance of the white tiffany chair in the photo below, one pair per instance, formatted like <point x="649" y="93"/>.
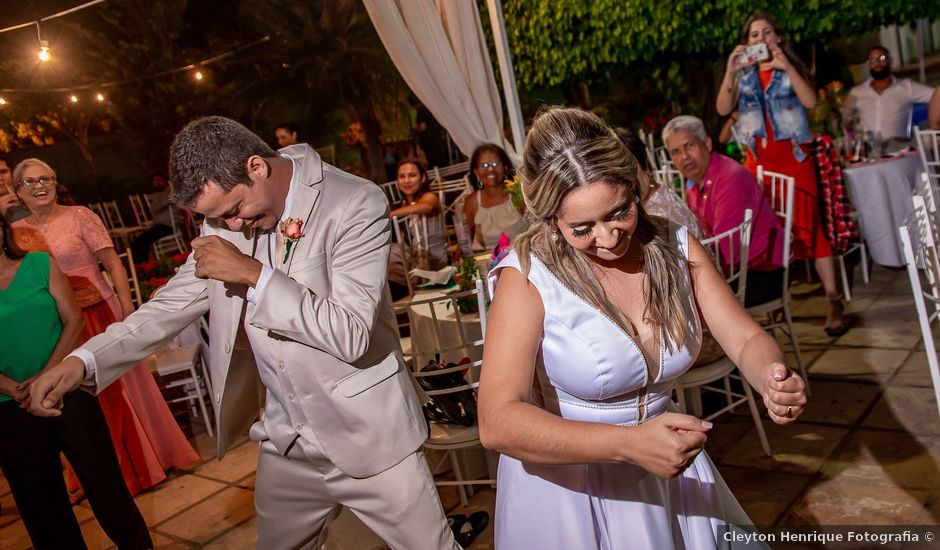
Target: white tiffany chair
<point x="780" y="191"/>
<point x="928" y="147"/>
<point x="392" y="193"/>
<point x="671" y="179"/>
<point x="172" y="243"/>
<point x="440" y="329"/>
<point x="918" y="243"/>
<point x="699" y="377"/>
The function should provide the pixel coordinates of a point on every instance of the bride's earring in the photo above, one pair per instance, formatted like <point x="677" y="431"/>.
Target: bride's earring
<point x="555" y="236"/>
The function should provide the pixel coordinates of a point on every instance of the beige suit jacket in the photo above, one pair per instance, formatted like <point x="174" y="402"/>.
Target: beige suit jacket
<point x="324" y="315"/>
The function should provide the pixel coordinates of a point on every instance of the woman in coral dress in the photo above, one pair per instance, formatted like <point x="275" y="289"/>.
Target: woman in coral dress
<point x="146" y="437"/>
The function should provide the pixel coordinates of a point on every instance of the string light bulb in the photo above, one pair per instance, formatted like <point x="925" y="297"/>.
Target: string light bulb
<point x="99" y="98"/>
<point x="2" y="101"/>
<point x="198" y="75"/>
<point x="73" y="98"/>
<point x="45" y="54"/>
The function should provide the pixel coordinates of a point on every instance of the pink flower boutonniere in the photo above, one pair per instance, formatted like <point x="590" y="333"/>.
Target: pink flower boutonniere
<point x="291" y="229"/>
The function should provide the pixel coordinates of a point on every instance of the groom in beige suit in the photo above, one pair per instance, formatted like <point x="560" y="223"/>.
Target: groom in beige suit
<point x="307" y="318"/>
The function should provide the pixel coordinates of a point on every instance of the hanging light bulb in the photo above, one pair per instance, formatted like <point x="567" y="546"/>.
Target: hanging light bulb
<point x="99" y="98"/>
<point x="198" y="75"/>
<point x="2" y="101"/>
<point x="73" y="98"/>
<point x="45" y="53"/>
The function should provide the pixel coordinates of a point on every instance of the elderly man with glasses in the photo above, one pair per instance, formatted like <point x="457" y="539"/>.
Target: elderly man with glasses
<point x="884" y="102"/>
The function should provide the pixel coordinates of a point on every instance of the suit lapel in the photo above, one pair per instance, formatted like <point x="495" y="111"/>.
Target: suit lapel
<point x="305" y="195"/>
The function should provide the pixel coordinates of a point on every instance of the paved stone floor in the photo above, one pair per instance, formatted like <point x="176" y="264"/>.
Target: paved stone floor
<point x="866" y="451"/>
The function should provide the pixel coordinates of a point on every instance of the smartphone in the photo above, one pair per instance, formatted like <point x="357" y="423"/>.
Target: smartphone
<point x="755" y="54"/>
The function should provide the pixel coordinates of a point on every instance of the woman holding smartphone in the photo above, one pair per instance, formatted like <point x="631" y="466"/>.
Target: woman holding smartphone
<point x="772" y="96"/>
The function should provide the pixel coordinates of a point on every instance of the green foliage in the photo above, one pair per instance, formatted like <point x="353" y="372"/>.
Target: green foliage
<point x="561" y="41"/>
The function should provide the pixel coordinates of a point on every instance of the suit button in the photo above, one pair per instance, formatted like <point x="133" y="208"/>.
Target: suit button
<point x="299" y="426"/>
<point x="228" y="347"/>
<point x="290" y="397"/>
<point x="280" y="365"/>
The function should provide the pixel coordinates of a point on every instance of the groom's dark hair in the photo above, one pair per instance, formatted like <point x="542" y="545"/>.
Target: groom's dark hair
<point x="212" y="149"/>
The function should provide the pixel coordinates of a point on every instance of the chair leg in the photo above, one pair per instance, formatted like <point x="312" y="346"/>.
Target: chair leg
<point x="865" y="274"/>
<point x="680" y="396"/>
<point x="461" y="490"/>
<point x="846" y="291"/>
<point x="796" y="347"/>
<point x="201" y="401"/>
<point x="755" y="414"/>
<point x="729" y="398"/>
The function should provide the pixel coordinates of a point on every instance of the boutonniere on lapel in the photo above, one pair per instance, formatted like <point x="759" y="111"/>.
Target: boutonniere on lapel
<point x="290" y="230"/>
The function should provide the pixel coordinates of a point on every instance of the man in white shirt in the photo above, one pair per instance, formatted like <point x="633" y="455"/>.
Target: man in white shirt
<point x="884" y="102"/>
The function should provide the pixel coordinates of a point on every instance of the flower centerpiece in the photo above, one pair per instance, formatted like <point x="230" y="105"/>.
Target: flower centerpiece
<point x="514" y="188"/>
<point x="465" y="277"/>
<point x="826" y="116"/>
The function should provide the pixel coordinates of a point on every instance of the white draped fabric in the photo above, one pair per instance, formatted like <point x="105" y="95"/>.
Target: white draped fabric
<point x="439" y="49"/>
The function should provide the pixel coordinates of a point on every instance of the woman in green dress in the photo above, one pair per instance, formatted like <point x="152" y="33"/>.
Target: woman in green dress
<point x="40" y="322"/>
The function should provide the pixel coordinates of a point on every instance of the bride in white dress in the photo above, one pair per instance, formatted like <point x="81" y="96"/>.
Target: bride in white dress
<point x="602" y="304"/>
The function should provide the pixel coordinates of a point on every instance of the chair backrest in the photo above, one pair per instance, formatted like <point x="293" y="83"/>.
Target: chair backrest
<point x="926" y="299"/>
<point x="779" y="190"/>
<point x="140" y="209"/>
<point x="445" y="172"/>
<point x="392" y="192"/>
<point x="172" y="242"/>
<point x="442" y="328"/>
<point x="721" y="248"/>
<point x="127" y="259"/>
<point x="649" y="146"/>
<point x="671" y="179"/>
<point x="98" y="209"/>
<point x="327" y="153"/>
<point x="403" y="239"/>
<point x="113" y="215"/>
<point x="928" y="146"/>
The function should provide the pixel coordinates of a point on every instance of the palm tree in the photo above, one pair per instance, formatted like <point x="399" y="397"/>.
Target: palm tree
<point x="329" y="51"/>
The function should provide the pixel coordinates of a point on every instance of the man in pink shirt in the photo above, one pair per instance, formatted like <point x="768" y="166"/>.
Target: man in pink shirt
<point x="718" y="192"/>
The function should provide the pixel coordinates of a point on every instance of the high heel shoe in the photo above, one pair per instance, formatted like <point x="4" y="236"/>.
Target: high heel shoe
<point x="845" y="322"/>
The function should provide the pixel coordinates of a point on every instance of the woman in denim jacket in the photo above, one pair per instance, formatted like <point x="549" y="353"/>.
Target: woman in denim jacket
<point x="772" y="98"/>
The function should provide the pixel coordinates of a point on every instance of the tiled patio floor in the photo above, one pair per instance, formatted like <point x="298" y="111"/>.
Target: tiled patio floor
<point x="866" y="452"/>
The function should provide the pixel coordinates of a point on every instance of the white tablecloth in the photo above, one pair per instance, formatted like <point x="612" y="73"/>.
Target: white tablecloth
<point x="881" y="193"/>
<point x="424" y="337"/>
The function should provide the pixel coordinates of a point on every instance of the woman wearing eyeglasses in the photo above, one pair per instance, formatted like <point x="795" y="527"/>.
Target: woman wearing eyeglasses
<point x="144" y="433"/>
<point x="489" y="210"/>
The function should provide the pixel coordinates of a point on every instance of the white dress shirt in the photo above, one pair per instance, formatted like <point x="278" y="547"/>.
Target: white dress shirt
<point x="887" y="113"/>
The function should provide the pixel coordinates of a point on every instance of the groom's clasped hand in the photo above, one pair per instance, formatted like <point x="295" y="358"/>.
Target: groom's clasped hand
<point x="221" y="260"/>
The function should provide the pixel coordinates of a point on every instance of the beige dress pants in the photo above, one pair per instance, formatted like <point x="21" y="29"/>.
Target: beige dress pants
<point x="298" y="495"/>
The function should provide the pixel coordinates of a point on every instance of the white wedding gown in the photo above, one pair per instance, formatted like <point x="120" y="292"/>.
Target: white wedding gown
<point x="590" y="370"/>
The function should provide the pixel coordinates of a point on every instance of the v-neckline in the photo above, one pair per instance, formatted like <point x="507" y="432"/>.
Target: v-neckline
<point x="13" y="279"/>
<point x="649" y="375"/>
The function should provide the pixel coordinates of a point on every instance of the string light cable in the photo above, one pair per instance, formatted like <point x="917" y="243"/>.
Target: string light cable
<point x="197" y="66"/>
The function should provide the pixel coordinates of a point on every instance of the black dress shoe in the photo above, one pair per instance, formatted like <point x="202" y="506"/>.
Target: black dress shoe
<point x="469" y="531"/>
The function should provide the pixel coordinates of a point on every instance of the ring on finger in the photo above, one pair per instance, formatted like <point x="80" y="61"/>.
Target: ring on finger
<point x="789" y="413"/>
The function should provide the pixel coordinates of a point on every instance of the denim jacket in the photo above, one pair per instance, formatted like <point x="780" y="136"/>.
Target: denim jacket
<point x="787" y="115"/>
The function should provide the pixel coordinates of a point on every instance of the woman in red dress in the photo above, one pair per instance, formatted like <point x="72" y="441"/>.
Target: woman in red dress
<point x="771" y="98"/>
<point x="146" y="437"/>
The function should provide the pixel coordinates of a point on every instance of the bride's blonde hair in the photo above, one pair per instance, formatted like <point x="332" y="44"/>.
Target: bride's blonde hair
<point x="566" y="149"/>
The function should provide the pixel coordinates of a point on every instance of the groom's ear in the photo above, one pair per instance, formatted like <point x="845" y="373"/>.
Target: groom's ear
<point x="258" y="168"/>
